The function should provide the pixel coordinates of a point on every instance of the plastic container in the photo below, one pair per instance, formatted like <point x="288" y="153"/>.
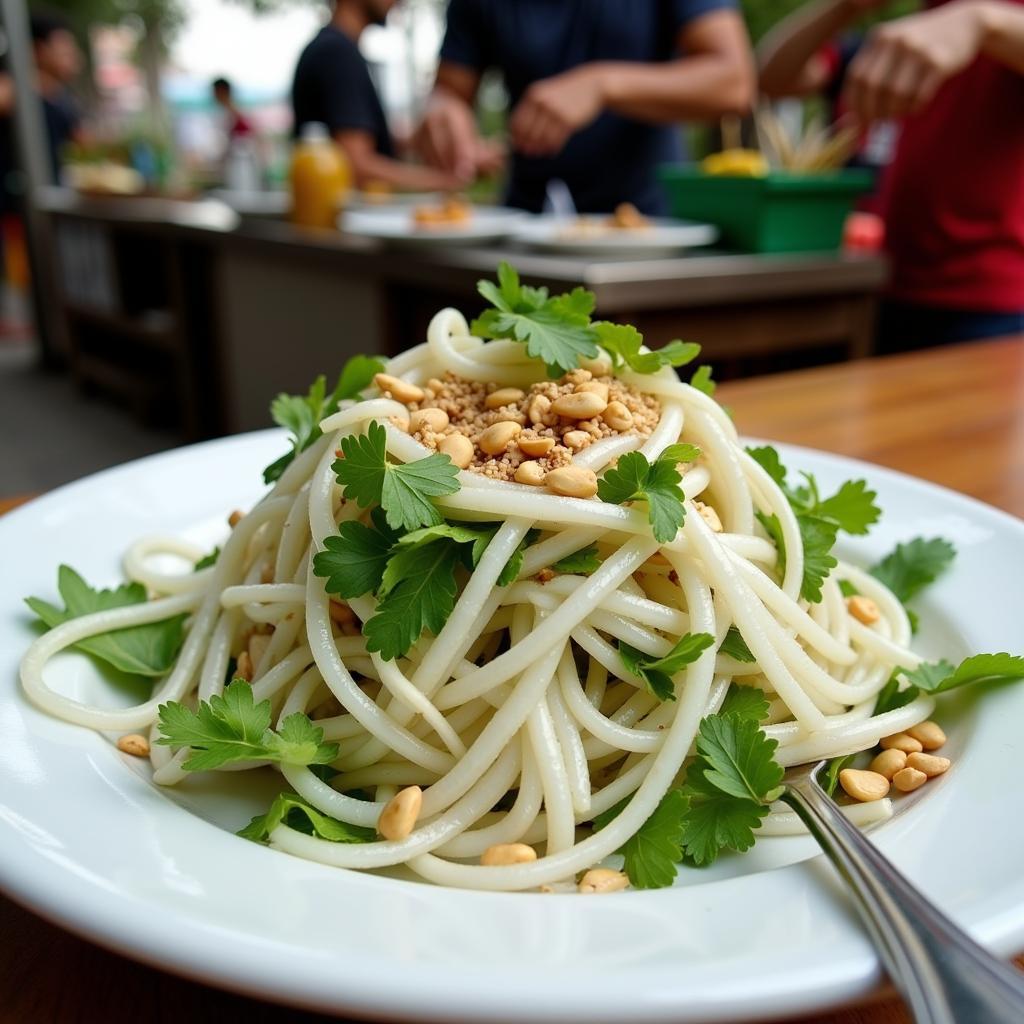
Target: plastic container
<point x="321" y="178"/>
<point x="781" y="212"/>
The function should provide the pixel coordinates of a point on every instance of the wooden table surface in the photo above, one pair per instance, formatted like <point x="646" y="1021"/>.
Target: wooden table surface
<point x="954" y="416"/>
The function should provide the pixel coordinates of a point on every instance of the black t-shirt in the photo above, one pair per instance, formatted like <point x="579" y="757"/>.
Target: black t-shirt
<point x="615" y="158"/>
<point x="333" y="86"/>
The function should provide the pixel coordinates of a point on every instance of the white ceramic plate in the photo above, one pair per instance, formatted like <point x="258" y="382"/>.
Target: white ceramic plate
<point x="396" y="225"/>
<point x="87" y="841"/>
<point x="663" y="238"/>
<point x="262" y="203"/>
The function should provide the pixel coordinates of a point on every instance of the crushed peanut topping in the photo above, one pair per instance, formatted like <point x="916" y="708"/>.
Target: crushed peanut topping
<point x="470" y="414"/>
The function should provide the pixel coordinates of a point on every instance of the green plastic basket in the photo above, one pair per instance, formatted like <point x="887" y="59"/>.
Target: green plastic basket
<point x="778" y="213"/>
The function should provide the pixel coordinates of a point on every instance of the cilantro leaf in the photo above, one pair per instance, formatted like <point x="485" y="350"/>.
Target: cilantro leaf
<point x="207" y="560"/>
<point x="912" y="566"/>
<point x="941" y="677"/>
<point x="745" y="702"/>
<point x="300" y="415"/>
<point x="231" y="727"/>
<point x="651" y="854"/>
<point x="422" y="599"/>
<point x="402" y="490"/>
<point x="555" y="330"/>
<point x="736" y="647"/>
<point x="148" y="650"/>
<point x="623" y="342"/>
<point x="835" y="766"/>
<point x="852" y="507"/>
<point x="701" y="380"/>
<point x="636" y="479"/>
<point x="847" y="589"/>
<point x="657" y="673"/>
<point x="768" y="459"/>
<point x="353" y="562"/>
<point x="891" y="697"/>
<point x="298" y="813"/>
<point x="682" y="452"/>
<point x="739" y="758"/>
<point x="579" y="563"/>
<point x="773" y="527"/>
<point x="716" y="821"/>
<point x="819" y="537"/>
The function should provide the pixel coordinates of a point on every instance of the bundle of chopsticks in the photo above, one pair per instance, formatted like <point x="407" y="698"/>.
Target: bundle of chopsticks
<point x="819" y="147"/>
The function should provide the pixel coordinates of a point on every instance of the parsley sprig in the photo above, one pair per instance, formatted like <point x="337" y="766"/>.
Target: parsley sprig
<point x="579" y="563"/>
<point x="657" y="673"/>
<point x="908" y="569"/>
<point x="232" y="727"/>
<point x="148" y="650"/>
<point x="298" y="813"/>
<point x="851" y="509"/>
<point x="412" y="575"/>
<point x="657" y="483"/>
<point x="403" y="490"/>
<point x="556" y="329"/>
<point x="623" y="343"/>
<point x="300" y="415"/>
<point x="942" y="676"/>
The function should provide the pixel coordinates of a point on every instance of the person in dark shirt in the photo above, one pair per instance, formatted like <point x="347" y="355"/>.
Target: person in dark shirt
<point x="597" y="88"/>
<point x="58" y="62"/>
<point x="333" y="86"/>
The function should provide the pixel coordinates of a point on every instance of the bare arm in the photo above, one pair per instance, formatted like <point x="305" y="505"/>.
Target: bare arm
<point x="906" y="61"/>
<point x="789" y="55"/>
<point x="6" y="94"/>
<point x="369" y="166"/>
<point x="714" y="78"/>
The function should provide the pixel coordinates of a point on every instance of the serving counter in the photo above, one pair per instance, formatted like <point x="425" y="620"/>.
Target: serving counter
<point x="187" y="304"/>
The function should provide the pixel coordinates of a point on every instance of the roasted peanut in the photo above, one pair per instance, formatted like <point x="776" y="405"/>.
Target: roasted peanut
<point x="531" y="473"/>
<point x="602" y="880"/>
<point x="901" y="741"/>
<point x="863" y="609"/>
<point x="235" y="518"/>
<point x="572" y="481"/>
<point x="889" y="762"/>
<point x="428" y="419"/>
<point x="458" y="448"/>
<point x="535" y="447"/>
<point x="435" y="385"/>
<point x="134" y="744"/>
<point x="508" y="853"/>
<point x="243" y="667"/>
<point x="617" y="416"/>
<point x="862" y="785"/>
<point x="398" y="818"/>
<point x="928" y="734"/>
<point x="930" y="764"/>
<point x="908" y="779"/>
<point x="400" y="390"/>
<point x="503" y="396"/>
<point x="596" y="387"/>
<point x="495" y="439"/>
<point x="580" y="405"/>
<point x="539" y="407"/>
<point x="577" y="439"/>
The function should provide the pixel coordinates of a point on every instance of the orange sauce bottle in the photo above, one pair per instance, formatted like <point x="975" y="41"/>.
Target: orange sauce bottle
<point x="321" y="178"/>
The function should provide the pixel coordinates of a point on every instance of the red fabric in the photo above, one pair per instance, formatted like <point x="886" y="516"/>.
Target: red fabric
<point x="240" y="126"/>
<point x="953" y="199"/>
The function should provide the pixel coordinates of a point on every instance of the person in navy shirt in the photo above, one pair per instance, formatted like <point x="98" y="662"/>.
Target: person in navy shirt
<point x="596" y="87"/>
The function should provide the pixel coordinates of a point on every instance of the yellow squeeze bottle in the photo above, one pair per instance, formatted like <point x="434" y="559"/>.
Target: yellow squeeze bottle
<point x="321" y="178"/>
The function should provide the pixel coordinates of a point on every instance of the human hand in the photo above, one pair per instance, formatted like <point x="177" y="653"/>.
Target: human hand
<point x="904" y="62"/>
<point x="554" y="109"/>
<point x="447" y="137"/>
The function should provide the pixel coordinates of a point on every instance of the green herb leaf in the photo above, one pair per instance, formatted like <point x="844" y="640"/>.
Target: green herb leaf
<point x="891" y="697"/>
<point x="555" y="330"/>
<point x="716" y="821"/>
<point x="847" y="589"/>
<point x="298" y="813"/>
<point x="300" y="415"/>
<point x="635" y="479"/>
<point x="651" y="854"/>
<point x="739" y="757"/>
<point x="908" y="569"/>
<point x="747" y="702"/>
<point x="579" y="563"/>
<point x="353" y="562"/>
<point x="835" y="766"/>
<point x="981" y="668"/>
<point x="623" y="343"/>
<point x="852" y="507"/>
<point x="148" y="650"/>
<point x="819" y="537"/>
<point x="402" y="490"/>
<point x="657" y="673"/>
<point x="207" y="560"/>
<point x="231" y="727"/>
<point x="736" y="647"/>
<point x="701" y="380"/>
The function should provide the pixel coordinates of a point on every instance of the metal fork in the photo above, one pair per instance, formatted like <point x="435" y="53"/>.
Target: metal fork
<point x="942" y="973"/>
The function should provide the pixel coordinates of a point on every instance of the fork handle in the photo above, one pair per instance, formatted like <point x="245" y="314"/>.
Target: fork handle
<point x="942" y="973"/>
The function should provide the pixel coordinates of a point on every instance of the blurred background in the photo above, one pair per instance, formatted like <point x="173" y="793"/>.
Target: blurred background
<point x="195" y="220"/>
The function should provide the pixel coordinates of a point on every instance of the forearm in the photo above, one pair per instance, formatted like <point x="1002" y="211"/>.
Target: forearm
<point x="784" y="53"/>
<point x="1003" y="38"/>
<point x="701" y="86"/>
<point x="373" y="167"/>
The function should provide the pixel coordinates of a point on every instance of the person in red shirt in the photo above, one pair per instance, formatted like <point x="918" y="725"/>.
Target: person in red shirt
<point x="237" y="125"/>
<point x="953" y="196"/>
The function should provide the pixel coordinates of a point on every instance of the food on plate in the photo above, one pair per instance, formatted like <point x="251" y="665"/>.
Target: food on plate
<point x="625" y="217"/>
<point x="105" y="178"/>
<point x="451" y="212"/>
<point x="736" y="163"/>
<point x="521" y="611"/>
